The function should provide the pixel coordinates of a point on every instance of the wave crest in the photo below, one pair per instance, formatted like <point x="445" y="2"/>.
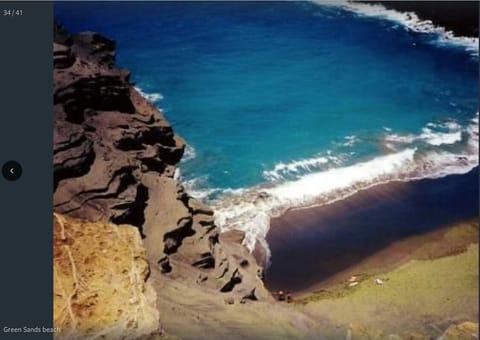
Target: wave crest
<point x="410" y="21"/>
<point x="153" y="97"/>
<point x="189" y="153"/>
<point x="251" y="210"/>
<point x="435" y="134"/>
<point x="281" y="169"/>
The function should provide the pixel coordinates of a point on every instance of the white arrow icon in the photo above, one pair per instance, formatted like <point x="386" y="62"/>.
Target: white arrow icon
<point x="11" y="170"/>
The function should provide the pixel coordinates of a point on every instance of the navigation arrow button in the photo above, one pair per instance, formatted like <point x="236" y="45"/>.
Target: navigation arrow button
<point x="12" y="170"/>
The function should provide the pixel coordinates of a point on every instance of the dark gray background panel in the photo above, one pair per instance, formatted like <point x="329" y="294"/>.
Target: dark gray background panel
<point x="26" y="136"/>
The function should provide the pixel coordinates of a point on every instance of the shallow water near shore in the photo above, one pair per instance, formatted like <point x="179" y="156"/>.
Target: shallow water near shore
<point x="309" y="246"/>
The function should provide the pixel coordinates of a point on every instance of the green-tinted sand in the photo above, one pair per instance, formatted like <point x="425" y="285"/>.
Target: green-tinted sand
<point x="438" y="286"/>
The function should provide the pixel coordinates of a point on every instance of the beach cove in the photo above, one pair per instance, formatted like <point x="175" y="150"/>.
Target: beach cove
<point x="336" y="144"/>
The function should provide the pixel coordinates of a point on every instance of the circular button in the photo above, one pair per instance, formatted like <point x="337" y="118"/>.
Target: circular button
<point x="12" y="170"/>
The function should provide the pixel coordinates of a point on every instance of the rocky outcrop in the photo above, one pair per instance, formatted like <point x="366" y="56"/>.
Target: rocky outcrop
<point x="106" y="135"/>
<point x="100" y="282"/>
<point x="184" y="244"/>
<point x="114" y="161"/>
<point x="464" y="331"/>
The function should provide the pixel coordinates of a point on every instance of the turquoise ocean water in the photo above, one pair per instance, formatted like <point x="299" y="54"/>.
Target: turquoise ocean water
<point x="300" y="101"/>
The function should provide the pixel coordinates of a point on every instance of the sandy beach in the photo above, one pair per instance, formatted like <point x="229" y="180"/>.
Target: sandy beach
<point x="312" y="246"/>
<point x="400" y="258"/>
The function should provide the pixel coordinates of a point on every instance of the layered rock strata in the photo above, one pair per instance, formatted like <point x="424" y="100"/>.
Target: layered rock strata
<point x="114" y="161"/>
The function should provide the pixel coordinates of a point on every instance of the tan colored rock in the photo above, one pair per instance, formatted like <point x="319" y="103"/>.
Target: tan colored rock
<point x="417" y="336"/>
<point x="234" y="236"/>
<point x="464" y="331"/>
<point x="358" y="331"/>
<point x="100" y="282"/>
<point x="183" y="242"/>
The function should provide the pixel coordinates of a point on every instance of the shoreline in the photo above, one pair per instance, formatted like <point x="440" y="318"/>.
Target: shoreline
<point x="252" y="210"/>
<point x="195" y="282"/>
<point x="381" y="215"/>
<point x="460" y="17"/>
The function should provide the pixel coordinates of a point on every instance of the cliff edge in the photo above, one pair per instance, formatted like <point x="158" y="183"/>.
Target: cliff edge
<point x="114" y="164"/>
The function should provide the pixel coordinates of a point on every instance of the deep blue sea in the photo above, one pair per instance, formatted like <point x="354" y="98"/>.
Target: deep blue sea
<point x="299" y="98"/>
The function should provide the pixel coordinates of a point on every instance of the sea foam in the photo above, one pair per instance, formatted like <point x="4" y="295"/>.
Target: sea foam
<point x="153" y="97"/>
<point x="435" y="134"/>
<point x="189" y="153"/>
<point x="295" y="167"/>
<point x="410" y="21"/>
<point x="252" y="209"/>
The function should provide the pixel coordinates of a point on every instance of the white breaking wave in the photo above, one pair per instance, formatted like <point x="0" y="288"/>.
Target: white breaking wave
<point x="177" y="175"/>
<point x="472" y="131"/>
<point x="153" y="97"/>
<point x="350" y="140"/>
<point x="293" y="167"/>
<point x="189" y="153"/>
<point x="252" y="209"/>
<point x="439" y="138"/>
<point x="451" y="133"/>
<point x="394" y="137"/>
<point x="194" y="188"/>
<point x="282" y="170"/>
<point x="198" y="189"/>
<point x="410" y="21"/>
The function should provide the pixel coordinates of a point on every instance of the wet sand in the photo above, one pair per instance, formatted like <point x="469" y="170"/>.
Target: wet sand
<point x="315" y="247"/>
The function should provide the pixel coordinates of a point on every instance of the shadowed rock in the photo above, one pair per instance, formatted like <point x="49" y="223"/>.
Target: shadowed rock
<point x="114" y="161"/>
<point x="106" y="135"/>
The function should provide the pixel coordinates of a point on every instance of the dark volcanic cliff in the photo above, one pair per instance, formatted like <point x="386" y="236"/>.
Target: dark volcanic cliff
<point x="114" y="161"/>
<point x="106" y="136"/>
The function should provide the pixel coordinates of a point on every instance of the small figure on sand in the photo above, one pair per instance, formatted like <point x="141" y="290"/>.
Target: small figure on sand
<point x="283" y="296"/>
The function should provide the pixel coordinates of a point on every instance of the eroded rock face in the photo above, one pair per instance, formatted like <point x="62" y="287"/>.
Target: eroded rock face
<point x="114" y="161"/>
<point x="106" y="135"/>
<point x="184" y="244"/>
<point x="100" y="282"/>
